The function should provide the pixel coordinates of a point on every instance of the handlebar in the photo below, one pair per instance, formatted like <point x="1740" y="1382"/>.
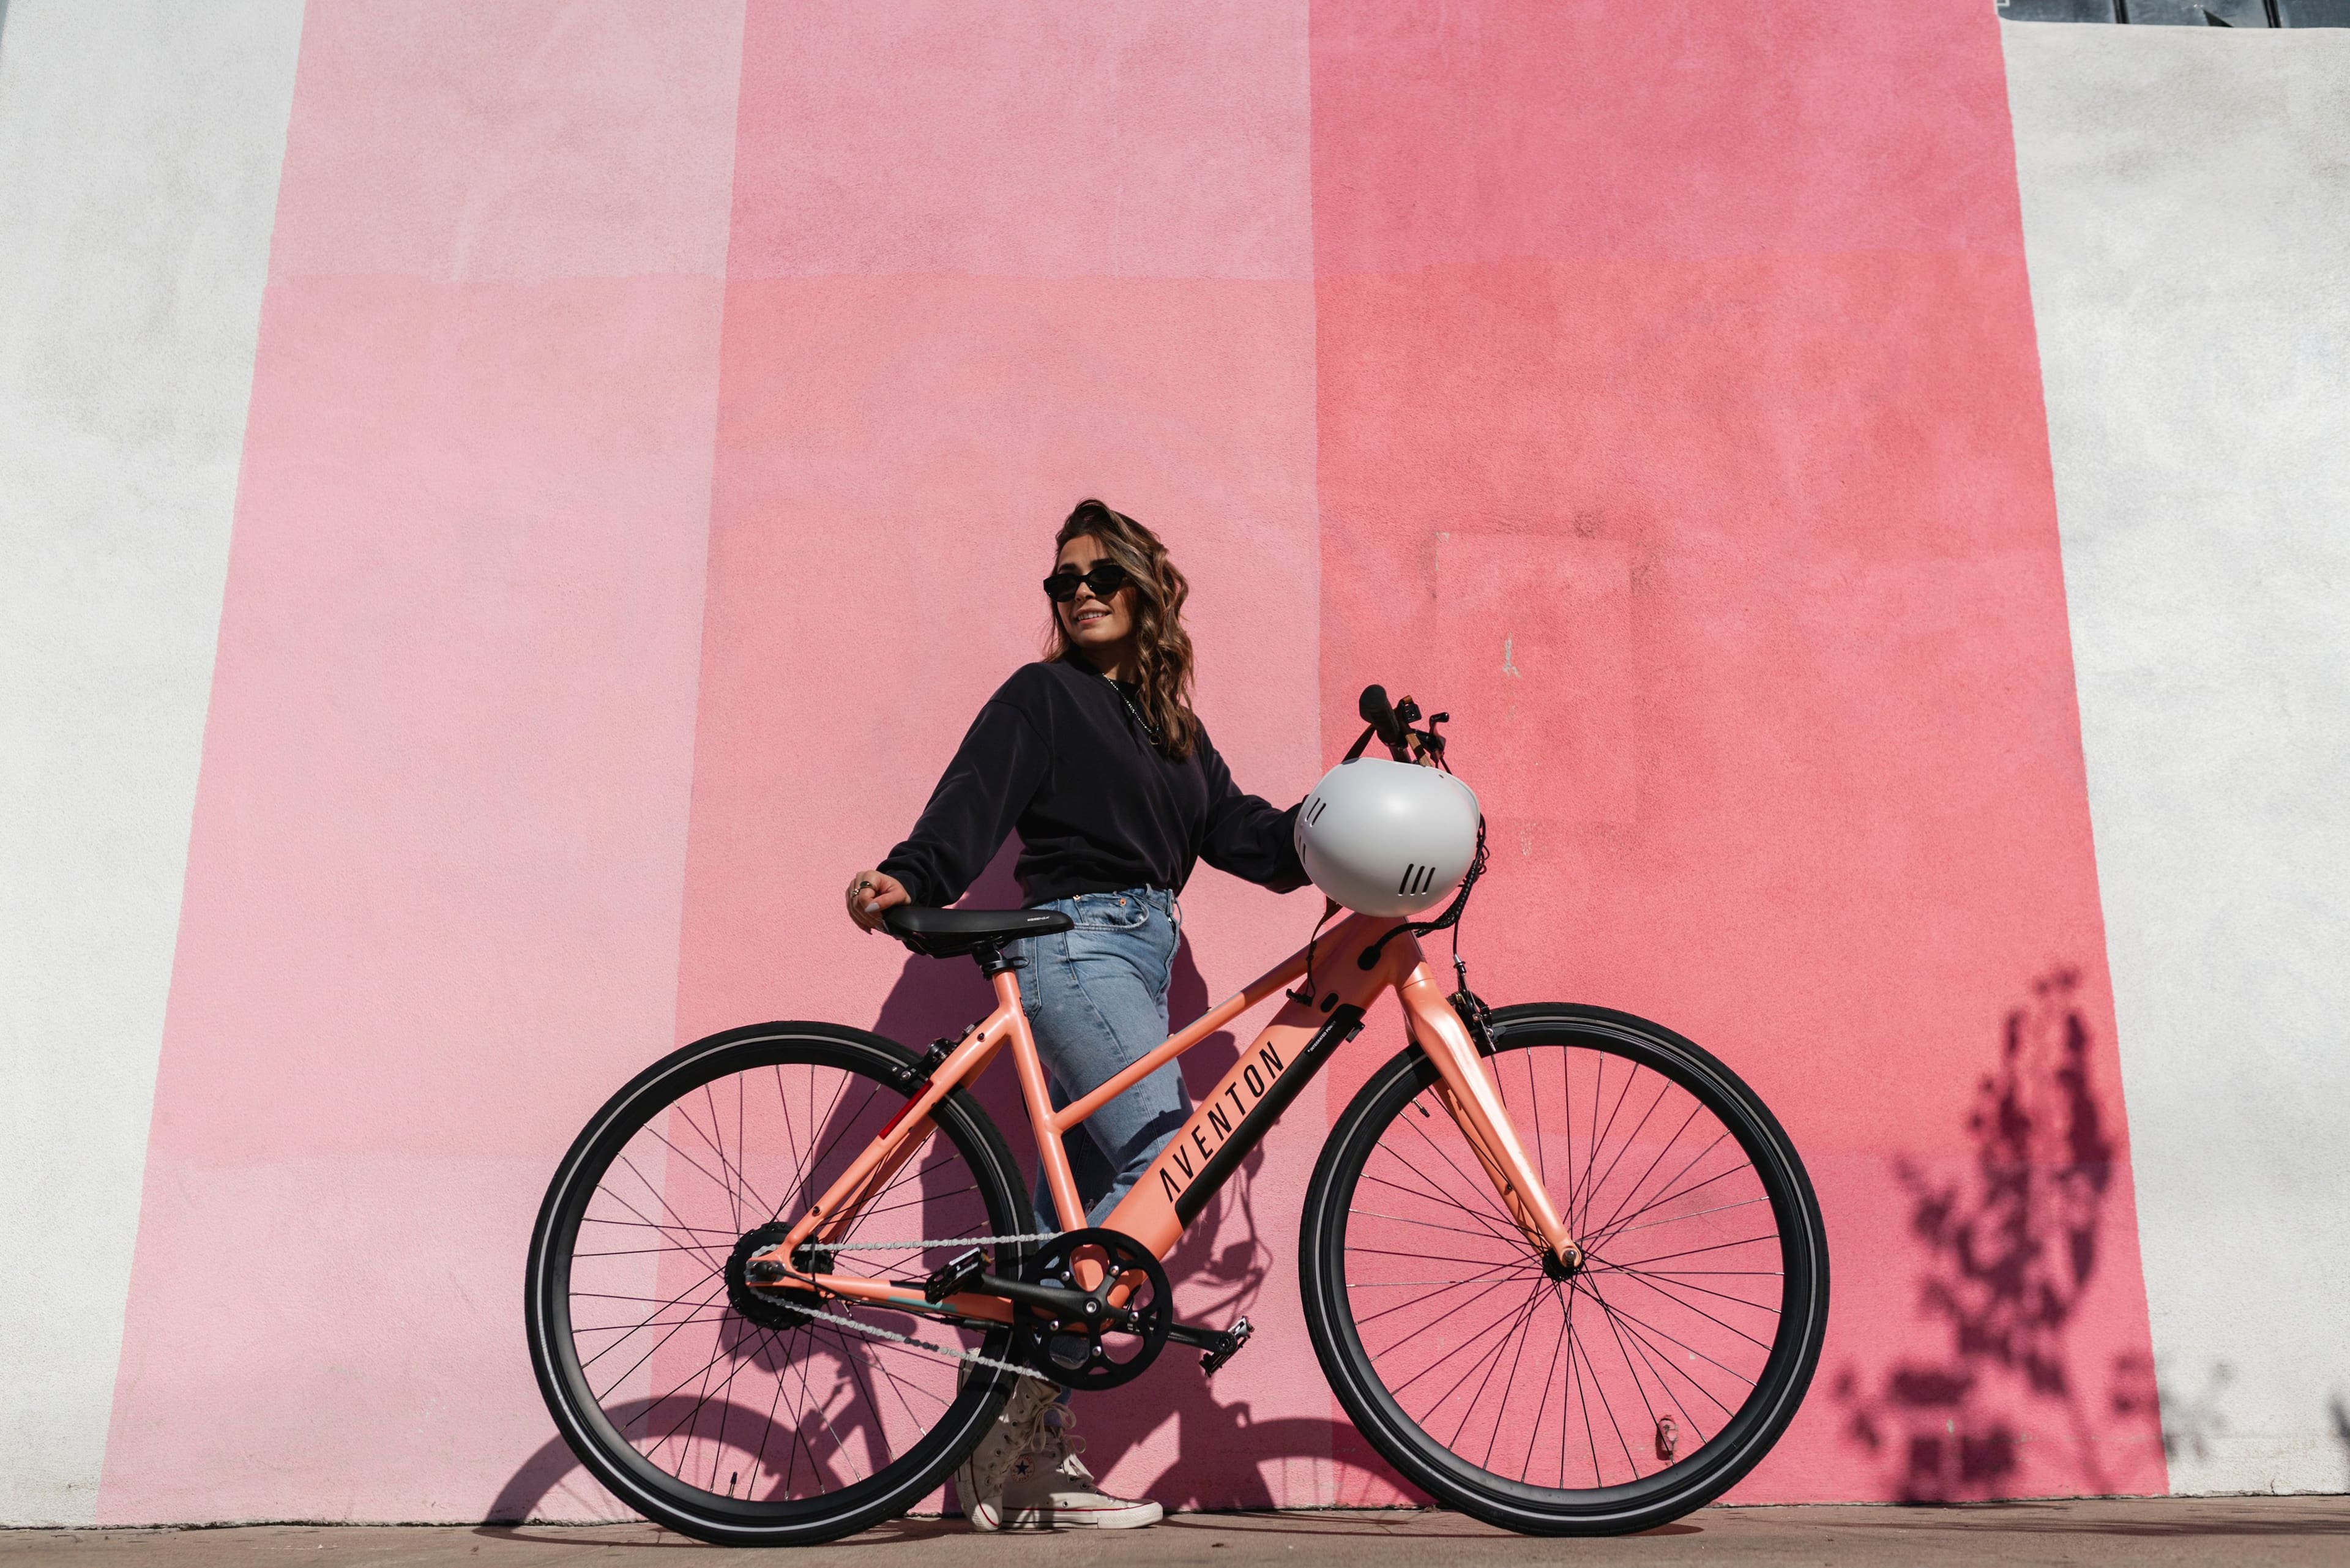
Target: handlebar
<point x="1391" y="722"/>
<point x="1380" y="716"/>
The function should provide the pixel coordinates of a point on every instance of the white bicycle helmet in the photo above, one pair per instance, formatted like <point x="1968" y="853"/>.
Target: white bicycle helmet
<point x="1387" y="838"/>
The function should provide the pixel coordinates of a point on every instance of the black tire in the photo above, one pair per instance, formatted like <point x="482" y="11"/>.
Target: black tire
<point x="1657" y="1349"/>
<point x="875" y="1425"/>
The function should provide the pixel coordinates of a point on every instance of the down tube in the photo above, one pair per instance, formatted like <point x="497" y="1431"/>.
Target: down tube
<point x="1234" y="1118"/>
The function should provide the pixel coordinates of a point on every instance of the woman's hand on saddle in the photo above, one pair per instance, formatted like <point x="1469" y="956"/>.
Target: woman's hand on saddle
<point x="869" y="893"/>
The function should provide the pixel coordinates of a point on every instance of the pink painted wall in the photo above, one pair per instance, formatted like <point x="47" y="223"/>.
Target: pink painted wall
<point x="640" y="386"/>
<point x="1681" y="357"/>
<point x="433" y="893"/>
<point x="944" y="329"/>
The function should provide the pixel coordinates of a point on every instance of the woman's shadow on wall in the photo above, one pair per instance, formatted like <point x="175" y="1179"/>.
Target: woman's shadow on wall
<point x="1218" y="1267"/>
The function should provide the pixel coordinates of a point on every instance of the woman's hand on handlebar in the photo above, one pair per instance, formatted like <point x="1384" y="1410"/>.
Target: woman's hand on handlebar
<point x="869" y="893"/>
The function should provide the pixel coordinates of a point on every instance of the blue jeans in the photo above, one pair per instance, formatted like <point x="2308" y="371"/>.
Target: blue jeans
<point x="1096" y="996"/>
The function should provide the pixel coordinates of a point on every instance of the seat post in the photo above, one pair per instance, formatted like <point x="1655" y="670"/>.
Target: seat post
<point x="990" y="958"/>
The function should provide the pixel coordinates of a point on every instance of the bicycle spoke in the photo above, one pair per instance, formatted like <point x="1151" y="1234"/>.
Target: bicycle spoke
<point x="1490" y="1325"/>
<point x="1411" y="1333"/>
<point x="1423" y="1302"/>
<point x="1663" y="1088"/>
<point x="1592" y="1379"/>
<point x="1508" y="1314"/>
<point x="1614" y="1221"/>
<point x="1675" y="1219"/>
<point x="1500" y="1225"/>
<point x="663" y="1340"/>
<point x="1495" y="1433"/>
<point x="1650" y="1169"/>
<point x="1642" y="1329"/>
<point x="1489" y="1233"/>
<point x="1643" y="1277"/>
<point x="1542" y="1407"/>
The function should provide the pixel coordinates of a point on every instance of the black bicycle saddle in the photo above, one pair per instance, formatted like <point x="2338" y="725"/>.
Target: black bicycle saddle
<point x="952" y="933"/>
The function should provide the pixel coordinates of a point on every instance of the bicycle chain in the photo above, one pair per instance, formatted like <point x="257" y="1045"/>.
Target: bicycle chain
<point x="923" y="1246"/>
<point x="874" y="1331"/>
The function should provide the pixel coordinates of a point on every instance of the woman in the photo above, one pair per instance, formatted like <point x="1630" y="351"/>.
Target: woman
<point x="1096" y="757"/>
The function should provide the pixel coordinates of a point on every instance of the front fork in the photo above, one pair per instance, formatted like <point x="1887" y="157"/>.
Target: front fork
<point x="1467" y="1092"/>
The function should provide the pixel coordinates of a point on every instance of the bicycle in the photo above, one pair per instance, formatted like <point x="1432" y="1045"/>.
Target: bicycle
<point x="823" y="1274"/>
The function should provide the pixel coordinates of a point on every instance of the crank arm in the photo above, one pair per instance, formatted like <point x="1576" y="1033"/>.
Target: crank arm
<point x="1216" y="1345"/>
<point x="1065" y="1305"/>
<point x="1195" y="1336"/>
<point x="967" y="1275"/>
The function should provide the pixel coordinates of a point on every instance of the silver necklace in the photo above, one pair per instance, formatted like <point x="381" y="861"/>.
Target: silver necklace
<point x="1149" y="728"/>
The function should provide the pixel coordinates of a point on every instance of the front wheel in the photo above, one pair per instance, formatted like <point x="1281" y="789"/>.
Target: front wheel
<point x="1610" y="1401"/>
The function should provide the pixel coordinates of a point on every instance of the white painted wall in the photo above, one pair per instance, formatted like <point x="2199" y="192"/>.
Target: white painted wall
<point x="2186" y="219"/>
<point x="139" y="146"/>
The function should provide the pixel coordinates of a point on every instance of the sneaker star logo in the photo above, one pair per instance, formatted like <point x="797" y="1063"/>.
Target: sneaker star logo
<point x="1020" y="1465"/>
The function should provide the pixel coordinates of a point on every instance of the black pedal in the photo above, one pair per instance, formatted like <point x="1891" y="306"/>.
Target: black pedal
<point x="1227" y="1345"/>
<point x="958" y="1275"/>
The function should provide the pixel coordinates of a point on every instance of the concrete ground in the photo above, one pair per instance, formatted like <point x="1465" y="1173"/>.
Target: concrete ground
<point x="2143" y="1533"/>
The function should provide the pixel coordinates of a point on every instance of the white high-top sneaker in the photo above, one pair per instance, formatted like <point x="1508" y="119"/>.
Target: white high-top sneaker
<point x="1026" y="1473"/>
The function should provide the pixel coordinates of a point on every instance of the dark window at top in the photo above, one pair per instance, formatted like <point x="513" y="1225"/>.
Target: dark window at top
<point x="2057" y="10"/>
<point x="2183" y="13"/>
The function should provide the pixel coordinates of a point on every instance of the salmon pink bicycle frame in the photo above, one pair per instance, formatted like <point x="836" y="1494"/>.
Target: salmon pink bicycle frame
<point x="1223" y="1126"/>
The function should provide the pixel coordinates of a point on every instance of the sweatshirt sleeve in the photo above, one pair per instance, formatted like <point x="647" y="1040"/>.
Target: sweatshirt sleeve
<point x="1245" y="834"/>
<point x="995" y="773"/>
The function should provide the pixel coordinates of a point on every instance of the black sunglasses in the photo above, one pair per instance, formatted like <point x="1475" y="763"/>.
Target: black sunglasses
<point x="1105" y="580"/>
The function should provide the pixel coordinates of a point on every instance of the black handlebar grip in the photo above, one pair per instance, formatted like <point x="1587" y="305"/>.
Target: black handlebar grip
<point x="1376" y="712"/>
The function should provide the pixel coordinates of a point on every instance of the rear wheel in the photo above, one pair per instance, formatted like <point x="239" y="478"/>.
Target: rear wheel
<point x="751" y="1417"/>
<point x="1608" y="1401"/>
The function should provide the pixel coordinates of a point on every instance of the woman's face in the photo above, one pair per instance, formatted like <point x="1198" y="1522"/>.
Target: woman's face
<point x="1086" y="621"/>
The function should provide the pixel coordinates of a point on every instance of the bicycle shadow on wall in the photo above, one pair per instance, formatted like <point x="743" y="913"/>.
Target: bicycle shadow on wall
<point x="2012" y="1246"/>
<point x="1222" y="1452"/>
<point x="1219" y="1268"/>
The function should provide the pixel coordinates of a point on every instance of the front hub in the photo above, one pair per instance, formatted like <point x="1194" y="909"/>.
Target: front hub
<point x="1562" y="1269"/>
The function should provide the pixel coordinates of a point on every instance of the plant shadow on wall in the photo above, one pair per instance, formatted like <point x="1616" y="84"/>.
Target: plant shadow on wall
<point x="2012" y="1246"/>
<point x="2193" y="1423"/>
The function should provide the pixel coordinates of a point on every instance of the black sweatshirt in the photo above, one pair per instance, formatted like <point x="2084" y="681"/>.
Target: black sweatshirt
<point x="1061" y="753"/>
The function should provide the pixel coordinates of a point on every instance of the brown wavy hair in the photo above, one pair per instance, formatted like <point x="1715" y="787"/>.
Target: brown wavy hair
<point x="1162" y="647"/>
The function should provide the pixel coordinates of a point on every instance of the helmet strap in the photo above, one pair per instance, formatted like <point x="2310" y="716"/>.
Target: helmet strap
<point x="1306" y="988"/>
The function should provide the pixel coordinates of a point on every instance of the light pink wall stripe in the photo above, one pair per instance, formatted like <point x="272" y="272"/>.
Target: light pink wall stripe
<point x="433" y="890"/>
<point x="989" y="260"/>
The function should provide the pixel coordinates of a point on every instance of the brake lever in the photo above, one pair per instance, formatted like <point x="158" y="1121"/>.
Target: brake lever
<point x="1424" y="742"/>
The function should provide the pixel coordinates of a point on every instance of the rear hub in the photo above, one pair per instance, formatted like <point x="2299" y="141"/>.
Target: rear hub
<point x="770" y="1306"/>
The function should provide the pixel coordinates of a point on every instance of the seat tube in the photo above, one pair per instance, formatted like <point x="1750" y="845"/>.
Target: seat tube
<point x="1050" y="1150"/>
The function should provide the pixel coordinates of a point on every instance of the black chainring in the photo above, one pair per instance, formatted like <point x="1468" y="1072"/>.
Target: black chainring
<point x="1115" y="1343"/>
<point x="769" y="1306"/>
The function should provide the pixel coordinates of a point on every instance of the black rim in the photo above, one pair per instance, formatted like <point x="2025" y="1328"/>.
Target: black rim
<point x="1645" y="1378"/>
<point x="708" y="1404"/>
